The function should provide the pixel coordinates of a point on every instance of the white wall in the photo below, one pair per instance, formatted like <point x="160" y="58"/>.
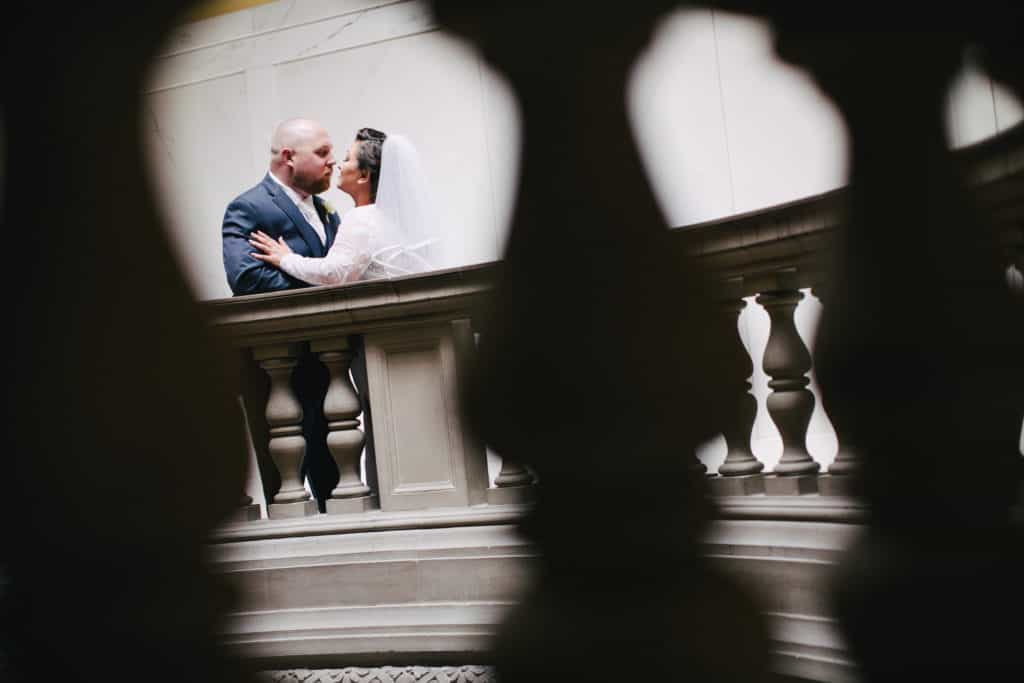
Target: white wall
<point x="726" y="127"/>
<point x="223" y="84"/>
<point x="723" y="126"/>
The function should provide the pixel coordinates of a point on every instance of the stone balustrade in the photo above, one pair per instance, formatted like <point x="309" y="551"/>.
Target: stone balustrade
<point x="428" y="541"/>
<point x="419" y="339"/>
<point x="416" y="338"/>
<point x="778" y="254"/>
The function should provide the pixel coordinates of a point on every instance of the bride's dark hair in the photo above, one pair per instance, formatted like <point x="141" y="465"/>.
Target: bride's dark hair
<point x="371" y="141"/>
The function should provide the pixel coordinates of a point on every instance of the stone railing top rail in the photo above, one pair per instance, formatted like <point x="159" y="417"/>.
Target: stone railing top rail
<point x="768" y="249"/>
<point x="317" y="312"/>
<point x="781" y="247"/>
<point x="776" y="248"/>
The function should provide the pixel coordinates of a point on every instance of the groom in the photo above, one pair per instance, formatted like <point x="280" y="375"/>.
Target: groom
<point x="285" y="205"/>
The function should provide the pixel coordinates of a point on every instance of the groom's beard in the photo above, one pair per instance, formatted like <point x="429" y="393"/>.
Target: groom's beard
<point x="314" y="185"/>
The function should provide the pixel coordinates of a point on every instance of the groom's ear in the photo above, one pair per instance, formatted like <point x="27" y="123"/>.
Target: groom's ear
<point x="287" y="153"/>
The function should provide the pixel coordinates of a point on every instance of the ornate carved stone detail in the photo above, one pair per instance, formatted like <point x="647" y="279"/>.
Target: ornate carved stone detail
<point x="385" y="674"/>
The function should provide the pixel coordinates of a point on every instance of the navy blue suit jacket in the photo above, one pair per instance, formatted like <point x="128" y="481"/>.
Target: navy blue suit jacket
<point x="266" y="207"/>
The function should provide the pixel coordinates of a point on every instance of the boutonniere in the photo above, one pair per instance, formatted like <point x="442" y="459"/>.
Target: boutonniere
<point x="328" y="208"/>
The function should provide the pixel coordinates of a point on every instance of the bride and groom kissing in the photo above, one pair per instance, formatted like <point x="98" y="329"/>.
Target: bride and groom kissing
<point x="281" y="235"/>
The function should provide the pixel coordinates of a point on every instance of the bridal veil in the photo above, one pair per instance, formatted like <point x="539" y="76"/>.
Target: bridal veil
<point x="413" y="241"/>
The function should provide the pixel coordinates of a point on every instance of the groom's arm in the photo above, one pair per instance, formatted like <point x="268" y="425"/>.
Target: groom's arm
<point x="245" y="274"/>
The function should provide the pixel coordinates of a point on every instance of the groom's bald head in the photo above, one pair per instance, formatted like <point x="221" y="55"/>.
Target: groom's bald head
<point x="301" y="155"/>
<point x="292" y="133"/>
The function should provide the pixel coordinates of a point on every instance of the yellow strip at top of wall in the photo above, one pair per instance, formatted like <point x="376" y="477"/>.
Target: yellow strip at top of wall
<point x="215" y="8"/>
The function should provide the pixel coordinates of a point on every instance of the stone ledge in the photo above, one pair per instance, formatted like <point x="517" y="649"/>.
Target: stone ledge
<point x="805" y="508"/>
<point x="437" y="596"/>
<point x="320" y="525"/>
<point x="809" y="647"/>
<point x="339" y="635"/>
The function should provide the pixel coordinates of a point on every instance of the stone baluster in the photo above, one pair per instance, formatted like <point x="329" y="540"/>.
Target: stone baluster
<point x="514" y="484"/>
<point x="287" y="445"/>
<point x="512" y="474"/>
<point x="787" y="361"/>
<point x="247" y="510"/>
<point x="839" y="480"/>
<point x="344" y="438"/>
<point x="740" y="473"/>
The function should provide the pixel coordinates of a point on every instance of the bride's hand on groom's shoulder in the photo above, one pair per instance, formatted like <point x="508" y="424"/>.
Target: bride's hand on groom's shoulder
<point x="272" y="251"/>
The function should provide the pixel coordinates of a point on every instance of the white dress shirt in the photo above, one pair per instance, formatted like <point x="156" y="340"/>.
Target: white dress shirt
<point x="306" y="207"/>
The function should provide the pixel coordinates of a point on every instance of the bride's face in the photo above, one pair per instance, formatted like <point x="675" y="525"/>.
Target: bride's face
<point x="350" y="176"/>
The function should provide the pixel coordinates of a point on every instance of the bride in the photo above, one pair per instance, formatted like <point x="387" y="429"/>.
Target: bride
<point x="390" y="231"/>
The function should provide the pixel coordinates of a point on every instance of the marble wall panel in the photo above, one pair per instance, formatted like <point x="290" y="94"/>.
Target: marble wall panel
<point x="676" y="109"/>
<point x="502" y="124"/>
<point x="200" y="159"/>
<point x="274" y="45"/>
<point x="786" y="139"/>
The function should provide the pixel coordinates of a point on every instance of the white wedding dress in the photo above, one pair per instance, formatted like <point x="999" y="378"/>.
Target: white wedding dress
<point x="368" y="247"/>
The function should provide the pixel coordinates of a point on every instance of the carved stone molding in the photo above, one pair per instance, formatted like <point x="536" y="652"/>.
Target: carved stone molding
<point x="385" y="674"/>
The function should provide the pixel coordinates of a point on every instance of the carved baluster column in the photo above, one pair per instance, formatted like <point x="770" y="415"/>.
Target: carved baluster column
<point x="344" y="438"/>
<point x="512" y="474"/>
<point x="740" y="472"/>
<point x="514" y="483"/>
<point x="247" y="510"/>
<point x="287" y="445"/>
<point x="786" y="361"/>
<point x="840" y="478"/>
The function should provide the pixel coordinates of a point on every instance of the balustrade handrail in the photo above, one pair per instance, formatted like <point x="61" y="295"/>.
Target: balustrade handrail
<point x="786" y="246"/>
<point x="328" y="311"/>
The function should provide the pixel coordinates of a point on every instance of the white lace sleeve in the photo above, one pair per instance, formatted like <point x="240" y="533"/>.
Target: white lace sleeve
<point x="346" y="260"/>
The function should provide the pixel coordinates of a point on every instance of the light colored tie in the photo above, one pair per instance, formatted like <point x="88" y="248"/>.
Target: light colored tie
<point x="314" y="220"/>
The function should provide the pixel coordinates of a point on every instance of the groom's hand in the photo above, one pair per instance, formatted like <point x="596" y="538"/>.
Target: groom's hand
<point x="272" y="252"/>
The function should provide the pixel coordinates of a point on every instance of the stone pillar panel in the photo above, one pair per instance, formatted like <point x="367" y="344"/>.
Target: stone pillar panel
<point x="421" y="461"/>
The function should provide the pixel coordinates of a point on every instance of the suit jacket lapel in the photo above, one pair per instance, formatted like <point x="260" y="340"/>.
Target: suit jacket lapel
<point x="306" y="230"/>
